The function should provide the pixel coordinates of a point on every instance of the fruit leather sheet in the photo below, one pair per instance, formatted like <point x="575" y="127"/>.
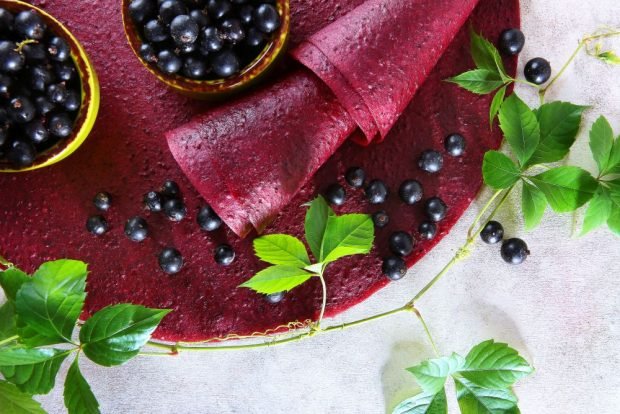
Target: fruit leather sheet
<point x="250" y="157"/>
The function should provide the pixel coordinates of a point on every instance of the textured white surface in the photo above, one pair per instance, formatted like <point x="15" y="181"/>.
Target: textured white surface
<point x="561" y="309"/>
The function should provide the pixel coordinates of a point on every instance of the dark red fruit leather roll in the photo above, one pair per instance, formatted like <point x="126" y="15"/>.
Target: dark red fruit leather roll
<point x="249" y="158"/>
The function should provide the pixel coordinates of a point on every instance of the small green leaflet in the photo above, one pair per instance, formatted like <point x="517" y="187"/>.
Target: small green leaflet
<point x="424" y="404"/>
<point x="496" y="103"/>
<point x="479" y="81"/>
<point x="11" y="281"/>
<point x="533" y="204"/>
<point x="8" y="328"/>
<point x="14" y="356"/>
<point x="614" y="218"/>
<point x="520" y="127"/>
<point x="36" y="378"/>
<point x="614" y="158"/>
<point x="477" y="400"/>
<point x="316" y="223"/>
<point x="609" y="57"/>
<point x="486" y="56"/>
<point x="116" y="333"/>
<point x="13" y="401"/>
<point x="79" y="398"/>
<point x="431" y="374"/>
<point x="598" y="212"/>
<point x="566" y="188"/>
<point x="276" y="279"/>
<point x="601" y="143"/>
<point x="347" y="235"/>
<point x="499" y="171"/>
<point x="281" y="249"/>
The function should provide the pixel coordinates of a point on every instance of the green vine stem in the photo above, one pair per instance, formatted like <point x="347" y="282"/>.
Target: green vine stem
<point x="324" y="301"/>
<point x="426" y="330"/>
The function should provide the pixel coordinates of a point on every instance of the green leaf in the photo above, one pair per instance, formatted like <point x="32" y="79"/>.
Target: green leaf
<point x="499" y="171"/>
<point x="11" y="281"/>
<point x="14" y="356"/>
<point x="38" y="378"/>
<point x="431" y="374"/>
<point x="347" y="235"/>
<point x="614" y="158"/>
<point x="8" y="328"/>
<point x="601" y="143"/>
<point x="598" y="212"/>
<point x="79" y="398"/>
<point x="486" y="56"/>
<point x="559" y="124"/>
<point x="479" y="81"/>
<point x="520" y="127"/>
<point x="566" y="188"/>
<point x="477" y="400"/>
<point x="533" y="204"/>
<point x="277" y="279"/>
<point x="316" y="223"/>
<point x="496" y="103"/>
<point x="116" y="333"/>
<point x="609" y="57"/>
<point x="493" y="364"/>
<point x="13" y="401"/>
<point x="614" y="218"/>
<point x="281" y="249"/>
<point x="49" y="305"/>
<point x="424" y="404"/>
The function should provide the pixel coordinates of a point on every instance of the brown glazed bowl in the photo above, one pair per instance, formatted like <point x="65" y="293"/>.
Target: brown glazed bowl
<point x="214" y="88"/>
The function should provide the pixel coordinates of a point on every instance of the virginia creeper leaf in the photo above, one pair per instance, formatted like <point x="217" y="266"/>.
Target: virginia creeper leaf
<point x="566" y="188"/>
<point x="431" y="374"/>
<point x="11" y="281"/>
<point x="598" y="212"/>
<point x="79" y="398"/>
<point x="277" y="279"/>
<point x="533" y="204"/>
<point x="13" y="401"/>
<point x="499" y="171"/>
<point x="424" y="403"/>
<point x="496" y="103"/>
<point x="347" y="235"/>
<point x="316" y="223"/>
<point x="520" y="127"/>
<point x="479" y="81"/>
<point x="601" y="143"/>
<point x="281" y="249"/>
<point x="477" y="400"/>
<point x="37" y="378"/>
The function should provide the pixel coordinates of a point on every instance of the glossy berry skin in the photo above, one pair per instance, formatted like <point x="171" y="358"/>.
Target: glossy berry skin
<point x="455" y="145"/>
<point x="184" y="30"/>
<point x="411" y="192"/>
<point x="36" y="132"/>
<point x="21" y="110"/>
<point x="537" y="71"/>
<point x="6" y="20"/>
<point x="401" y="243"/>
<point x="34" y="52"/>
<point x="394" y="268"/>
<point x="219" y="8"/>
<point x="336" y="194"/>
<point x="194" y="68"/>
<point x="246" y="14"/>
<point x="58" y="49"/>
<point x="153" y="201"/>
<point x="21" y="153"/>
<point x="136" y="229"/>
<point x="492" y="233"/>
<point x="97" y="225"/>
<point x="355" y="177"/>
<point x="140" y="10"/>
<point x="210" y="40"/>
<point x="170" y="260"/>
<point x="224" y="255"/>
<point x="431" y="161"/>
<point x="73" y="101"/>
<point x="207" y="219"/>
<point x="233" y="31"/>
<point x="43" y="105"/>
<point x="155" y="31"/>
<point x="57" y="93"/>
<point x="60" y="125"/>
<point x="427" y="230"/>
<point x="168" y="62"/>
<point x="40" y="77"/>
<point x="380" y="219"/>
<point x="201" y="19"/>
<point x="175" y="209"/>
<point x="225" y="64"/>
<point x="10" y="60"/>
<point x="170" y="189"/>
<point x="511" y="42"/>
<point x="377" y="192"/>
<point x="514" y="251"/>
<point x="254" y="37"/>
<point x="435" y="209"/>
<point x="30" y="25"/>
<point x="266" y="18"/>
<point x="169" y="9"/>
<point x="148" y="53"/>
<point x="103" y="201"/>
<point x="65" y="71"/>
<point x="275" y="297"/>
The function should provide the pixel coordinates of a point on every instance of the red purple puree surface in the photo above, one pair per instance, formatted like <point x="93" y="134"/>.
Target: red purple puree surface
<point x="43" y="213"/>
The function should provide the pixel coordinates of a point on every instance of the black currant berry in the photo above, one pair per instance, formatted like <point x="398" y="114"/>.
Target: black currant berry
<point x="65" y="71"/>
<point x="170" y="260"/>
<point x="170" y="189"/>
<point x="21" y="153"/>
<point x="57" y="93"/>
<point x="254" y="37"/>
<point x="73" y="101"/>
<point x="410" y="192"/>
<point x="21" y="110"/>
<point x="148" y="53"/>
<point x="401" y="243"/>
<point x="380" y="219"/>
<point x="266" y="18"/>
<point x="537" y="71"/>
<point x="224" y="255"/>
<point x="455" y="144"/>
<point x="175" y="209"/>
<point x="184" y="30"/>
<point x="511" y="42"/>
<point x="34" y="52"/>
<point x="377" y="192"/>
<point x="394" y="268"/>
<point x="58" y="49"/>
<point x="153" y="201"/>
<point x="514" y="251"/>
<point x="170" y="9"/>
<point x="155" y="31"/>
<point x="6" y="21"/>
<point x="136" y="229"/>
<point x="211" y="40"/>
<point x="97" y="225"/>
<point x="140" y="10"/>
<point x="219" y="8"/>
<point x="492" y="233"/>
<point x="200" y="17"/>
<point x="60" y="125"/>
<point x="355" y="177"/>
<point x="36" y="131"/>
<point x="195" y="68"/>
<point x="275" y="297"/>
<point x="103" y="201"/>
<point x="435" y="209"/>
<point x="10" y="60"/>
<point x="225" y="64"/>
<point x="336" y="195"/>
<point x="428" y="230"/>
<point x="232" y="30"/>
<point x="43" y="105"/>
<point x="208" y="219"/>
<point x="246" y="14"/>
<point x="168" y="62"/>
<point x="30" y="25"/>
<point x="431" y="161"/>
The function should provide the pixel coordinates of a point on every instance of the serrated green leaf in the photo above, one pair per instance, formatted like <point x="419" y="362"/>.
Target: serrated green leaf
<point x="277" y="279"/>
<point x="614" y="218"/>
<point x="431" y="374"/>
<point x="424" y="404"/>
<point x="49" y="305"/>
<point x="496" y="103"/>
<point x="486" y="56"/>
<point x="559" y="124"/>
<point x="281" y="249"/>
<point x="566" y="188"/>
<point x="116" y="333"/>
<point x="520" y="127"/>
<point x="347" y="235"/>
<point x="493" y="364"/>
<point x="13" y="401"/>
<point x="533" y="204"/>
<point x="79" y="398"/>
<point x="316" y="223"/>
<point x="8" y="328"/>
<point x="499" y="171"/>
<point x="609" y="57"/>
<point x="18" y="355"/>
<point x="477" y="400"/>
<point x="614" y="158"/>
<point x="479" y="81"/>
<point x="598" y="212"/>
<point x="11" y="281"/>
<point x="601" y="142"/>
<point x="38" y="378"/>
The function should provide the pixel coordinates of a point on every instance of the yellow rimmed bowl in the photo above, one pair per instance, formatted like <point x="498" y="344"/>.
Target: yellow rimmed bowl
<point x="211" y="89"/>
<point x="90" y="94"/>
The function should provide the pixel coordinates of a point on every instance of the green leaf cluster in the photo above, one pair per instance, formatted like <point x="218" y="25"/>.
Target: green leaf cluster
<point x="42" y="311"/>
<point x="483" y="381"/>
<point x="330" y="238"/>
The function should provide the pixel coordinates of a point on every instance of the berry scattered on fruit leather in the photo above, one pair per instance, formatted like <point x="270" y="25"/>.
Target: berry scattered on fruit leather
<point x="127" y="155"/>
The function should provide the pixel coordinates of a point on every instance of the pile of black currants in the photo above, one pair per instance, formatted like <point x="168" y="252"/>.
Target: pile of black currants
<point x="203" y="39"/>
<point x="40" y="90"/>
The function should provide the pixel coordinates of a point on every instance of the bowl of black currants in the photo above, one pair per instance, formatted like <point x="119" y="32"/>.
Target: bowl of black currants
<point x="49" y="93"/>
<point x="207" y="48"/>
